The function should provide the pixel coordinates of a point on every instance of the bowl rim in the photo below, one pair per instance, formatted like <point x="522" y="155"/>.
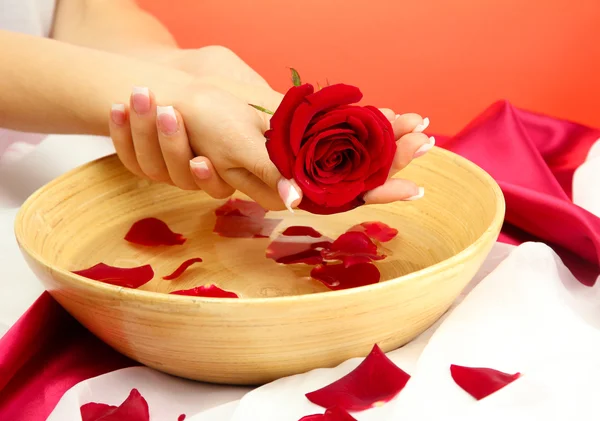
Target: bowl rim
<point x="152" y="296"/>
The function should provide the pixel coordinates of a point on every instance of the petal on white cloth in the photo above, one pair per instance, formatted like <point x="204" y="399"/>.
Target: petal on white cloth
<point x="521" y="318"/>
<point x="167" y="396"/>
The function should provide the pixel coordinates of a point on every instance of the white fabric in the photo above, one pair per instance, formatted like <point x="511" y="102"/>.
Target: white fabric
<point x="528" y="314"/>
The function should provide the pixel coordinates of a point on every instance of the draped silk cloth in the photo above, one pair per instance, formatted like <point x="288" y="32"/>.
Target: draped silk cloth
<point x="532" y="157"/>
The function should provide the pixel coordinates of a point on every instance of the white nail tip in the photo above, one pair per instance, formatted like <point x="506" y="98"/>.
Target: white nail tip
<point x="141" y="90"/>
<point x="202" y="165"/>
<point x="421" y="127"/>
<point x="292" y="196"/>
<point x="118" y="107"/>
<point x="426" y="147"/>
<point x="418" y="195"/>
<point x="168" y="110"/>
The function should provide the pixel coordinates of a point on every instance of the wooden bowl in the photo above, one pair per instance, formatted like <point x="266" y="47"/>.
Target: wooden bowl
<point x="284" y="322"/>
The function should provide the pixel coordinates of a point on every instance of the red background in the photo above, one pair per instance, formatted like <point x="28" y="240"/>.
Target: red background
<point x="446" y="59"/>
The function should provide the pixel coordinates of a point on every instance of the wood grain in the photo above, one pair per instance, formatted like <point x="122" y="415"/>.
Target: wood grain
<point x="284" y="323"/>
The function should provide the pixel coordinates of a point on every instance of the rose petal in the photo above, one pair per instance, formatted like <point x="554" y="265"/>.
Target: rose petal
<point x="124" y="277"/>
<point x="386" y="154"/>
<point x="181" y="417"/>
<point x="328" y="97"/>
<point x="239" y="207"/>
<point x="331" y="414"/>
<point x="244" y="227"/>
<point x="182" y="268"/>
<point x="375" y="381"/>
<point x="336" y="277"/>
<point x="93" y="411"/>
<point x="134" y="408"/>
<point x="153" y="232"/>
<point x="308" y="257"/>
<point x="352" y="244"/>
<point x="298" y="230"/>
<point x="481" y="382"/>
<point x="278" y="137"/>
<point x="344" y="192"/>
<point x="212" y="291"/>
<point x="376" y="230"/>
<point x="355" y="260"/>
<point x="298" y="249"/>
<point x="309" y="206"/>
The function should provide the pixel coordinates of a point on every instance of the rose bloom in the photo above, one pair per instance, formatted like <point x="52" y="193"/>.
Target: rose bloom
<point x="335" y="151"/>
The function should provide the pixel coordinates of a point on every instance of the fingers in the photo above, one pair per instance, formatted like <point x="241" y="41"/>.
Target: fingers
<point x="409" y="123"/>
<point x="393" y="190"/>
<point x="120" y="133"/>
<point x="388" y="113"/>
<point x="175" y="147"/>
<point x="257" y="176"/>
<point x="145" y="139"/>
<point x="409" y="147"/>
<point x="206" y="177"/>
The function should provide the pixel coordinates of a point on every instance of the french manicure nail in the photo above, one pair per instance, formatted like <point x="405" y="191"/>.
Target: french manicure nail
<point x="200" y="169"/>
<point x="421" y="127"/>
<point x="117" y="114"/>
<point x="288" y="193"/>
<point x="141" y="99"/>
<point x="419" y="195"/>
<point x="424" y="148"/>
<point x="167" y="120"/>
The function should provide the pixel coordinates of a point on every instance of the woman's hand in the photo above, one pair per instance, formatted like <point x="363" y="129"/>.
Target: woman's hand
<point x="213" y="140"/>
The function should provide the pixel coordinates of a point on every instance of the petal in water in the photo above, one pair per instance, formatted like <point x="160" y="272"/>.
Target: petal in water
<point x="336" y="277"/>
<point x="332" y="414"/>
<point x="239" y="207"/>
<point x="182" y="268"/>
<point x="134" y="408"/>
<point x="123" y="277"/>
<point x="375" y="381"/>
<point x="244" y="227"/>
<point x="211" y="291"/>
<point x="378" y="231"/>
<point x="301" y="231"/>
<point x="153" y="232"/>
<point x="352" y="244"/>
<point x="481" y="382"/>
<point x="301" y="249"/>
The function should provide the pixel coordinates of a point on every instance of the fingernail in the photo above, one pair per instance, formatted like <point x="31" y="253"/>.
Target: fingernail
<point x="117" y="114"/>
<point x="424" y="148"/>
<point x="167" y="120"/>
<point x="141" y="100"/>
<point x="288" y="194"/>
<point x="421" y="127"/>
<point x="397" y="116"/>
<point x="200" y="169"/>
<point x="420" y="194"/>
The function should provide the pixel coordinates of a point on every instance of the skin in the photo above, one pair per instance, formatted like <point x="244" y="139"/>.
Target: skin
<point x="102" y="48"/>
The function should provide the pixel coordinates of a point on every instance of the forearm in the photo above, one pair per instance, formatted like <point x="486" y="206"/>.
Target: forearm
<point x="118" y="26"/>
<point x="51" y="87"/>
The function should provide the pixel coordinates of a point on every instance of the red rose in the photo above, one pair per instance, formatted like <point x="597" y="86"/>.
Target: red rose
<point x="336" y="152"/>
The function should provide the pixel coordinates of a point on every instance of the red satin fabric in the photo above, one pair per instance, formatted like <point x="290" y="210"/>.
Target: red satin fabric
<point x="532" y="157"/>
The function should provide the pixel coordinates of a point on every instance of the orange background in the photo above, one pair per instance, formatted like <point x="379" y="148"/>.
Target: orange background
<point x="446" y="59"/>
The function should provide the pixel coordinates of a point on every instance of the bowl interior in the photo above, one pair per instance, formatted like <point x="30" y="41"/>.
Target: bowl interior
<point x="81" y="218"/>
